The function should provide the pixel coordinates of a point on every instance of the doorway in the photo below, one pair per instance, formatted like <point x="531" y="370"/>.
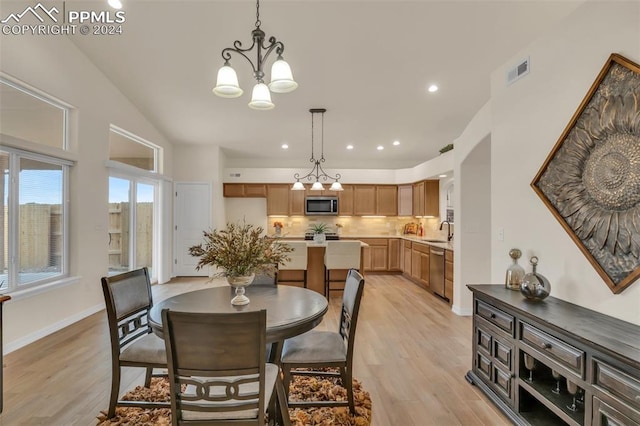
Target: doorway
<point x="192" y="217"/>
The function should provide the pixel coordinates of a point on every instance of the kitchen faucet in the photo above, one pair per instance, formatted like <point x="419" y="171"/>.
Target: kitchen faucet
<point x="449" y="233"/>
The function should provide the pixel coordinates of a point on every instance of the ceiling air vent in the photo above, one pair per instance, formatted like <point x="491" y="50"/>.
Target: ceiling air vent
<point x="234" y="174"/>
<point x="518" y="71"/>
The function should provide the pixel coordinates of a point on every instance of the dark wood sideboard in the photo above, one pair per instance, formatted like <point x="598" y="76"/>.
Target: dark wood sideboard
<point x="3" y="299"/>
<point x="569" y="344"/>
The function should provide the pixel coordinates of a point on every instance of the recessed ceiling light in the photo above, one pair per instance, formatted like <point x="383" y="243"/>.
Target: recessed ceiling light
<point x="116" y="4"/>
<point x="442" y="176"/>
<point x="285" y="146"/>
<point x="432" y="88"/>
<point x="349" y="146"/>
<point x="380" y="147"/>
<point x="396" y="143"/>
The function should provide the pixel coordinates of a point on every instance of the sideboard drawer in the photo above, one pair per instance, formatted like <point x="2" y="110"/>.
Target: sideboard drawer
<point x="495" y="316"/>
<point x="565" y="354"/>
<point x="617" y="383"/>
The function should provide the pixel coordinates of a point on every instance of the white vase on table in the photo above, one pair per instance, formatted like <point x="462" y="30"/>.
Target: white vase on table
<point x="239" y="283"/>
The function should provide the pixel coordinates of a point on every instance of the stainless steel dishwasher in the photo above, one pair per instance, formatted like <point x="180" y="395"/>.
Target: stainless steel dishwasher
<point x="436" y="270"/>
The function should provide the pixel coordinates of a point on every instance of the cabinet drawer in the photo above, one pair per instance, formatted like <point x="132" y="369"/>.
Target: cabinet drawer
<point x="422" y="248"/>
<point x="565" y="354"/>
<point x="606" y="415"/>
<point x="617" y="383"/>
<point x="375" y="241"/>
<point x="407" y="244"/>
<point x="448" y="256"/>
<point x="495" y="316"/>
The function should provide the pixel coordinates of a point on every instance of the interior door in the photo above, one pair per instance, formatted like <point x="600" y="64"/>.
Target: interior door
<point x="192" y="217"/>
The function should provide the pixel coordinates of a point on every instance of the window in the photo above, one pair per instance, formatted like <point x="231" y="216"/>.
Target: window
<point x="28" y="116"/>
<point x="33" y="219"/>
<point x="127" y="148"/>
<point x="33" y="187"/>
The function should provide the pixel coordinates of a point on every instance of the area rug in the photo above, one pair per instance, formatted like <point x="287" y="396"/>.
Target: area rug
<point x="302" y="389"/>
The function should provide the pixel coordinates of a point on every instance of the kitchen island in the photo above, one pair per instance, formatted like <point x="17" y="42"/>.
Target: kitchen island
<point x="315" y="267"/>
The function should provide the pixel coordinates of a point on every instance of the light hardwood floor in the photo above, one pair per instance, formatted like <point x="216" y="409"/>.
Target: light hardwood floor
<point x="411" y="354"/>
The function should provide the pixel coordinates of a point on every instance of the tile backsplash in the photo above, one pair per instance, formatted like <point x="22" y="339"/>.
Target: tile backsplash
<point x="358" y="226"/>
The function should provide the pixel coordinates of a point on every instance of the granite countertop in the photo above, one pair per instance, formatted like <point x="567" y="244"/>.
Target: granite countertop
<point x="447" y="245"/>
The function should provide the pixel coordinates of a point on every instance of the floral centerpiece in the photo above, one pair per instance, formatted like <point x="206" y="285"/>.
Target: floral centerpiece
<point x="278" y="227"/>
<point x="240" y="250"/>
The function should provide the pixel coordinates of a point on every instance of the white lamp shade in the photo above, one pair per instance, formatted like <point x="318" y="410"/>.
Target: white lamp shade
<point x="298" y="186"/>
<point x="261" y="98"/>
<point x="227" y="83"/>
<point x="336" y="186"/>
<point x="282" y="78"/>
<point x="317" y="186"/>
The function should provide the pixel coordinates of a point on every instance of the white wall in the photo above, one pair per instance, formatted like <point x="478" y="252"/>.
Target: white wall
<point x="54" y="65"/>
<point x="528" y="117"/>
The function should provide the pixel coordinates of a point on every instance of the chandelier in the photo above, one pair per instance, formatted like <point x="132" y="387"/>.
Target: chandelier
<point x="281" y="77"/>
<point x="317" y="172"/>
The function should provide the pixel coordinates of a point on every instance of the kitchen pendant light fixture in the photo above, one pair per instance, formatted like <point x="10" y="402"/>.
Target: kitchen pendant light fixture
<point x="281" y="76"/>
<point x="317" y="173"/>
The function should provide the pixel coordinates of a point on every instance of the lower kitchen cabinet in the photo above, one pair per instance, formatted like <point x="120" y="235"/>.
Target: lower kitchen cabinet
<point x="528" y="356"/>
<point x="377" y="253"/>
<point x="448" y="275"/>
<point x="394" y="254"/>
<point x="406" y="257"/>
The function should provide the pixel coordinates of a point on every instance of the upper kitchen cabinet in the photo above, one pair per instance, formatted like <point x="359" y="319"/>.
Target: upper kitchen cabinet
<point x="278" y="199"/>
<point x="386" y="200"/>
<point x="375" y="200"/>
<point x="296" y="202"/>
<point x="345" y="201"/>
<point x="258" y="190"/>
<point x="426" y="198"/>
<point x="364" y="200"/>
<point x="405" y="200"/>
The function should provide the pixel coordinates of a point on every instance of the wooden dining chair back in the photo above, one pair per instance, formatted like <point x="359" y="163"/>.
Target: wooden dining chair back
<point x="321" y="349"/>
<point x="217" y="369"/>
<point x="128" y="301"/>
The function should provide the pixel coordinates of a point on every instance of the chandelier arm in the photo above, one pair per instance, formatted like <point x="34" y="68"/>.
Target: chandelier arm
<point x="273" y="44"/>
<point x="324" y="175"/>
<point x="237" y="48"/>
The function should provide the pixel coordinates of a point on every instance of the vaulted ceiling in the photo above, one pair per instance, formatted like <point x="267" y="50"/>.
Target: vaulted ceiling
<point x="368" y="62"/>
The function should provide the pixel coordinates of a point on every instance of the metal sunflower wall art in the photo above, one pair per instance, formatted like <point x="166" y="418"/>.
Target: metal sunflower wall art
<point x="590" y="181"/>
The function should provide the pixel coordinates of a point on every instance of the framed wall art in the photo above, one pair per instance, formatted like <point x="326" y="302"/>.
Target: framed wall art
<point x="590" y="181"/>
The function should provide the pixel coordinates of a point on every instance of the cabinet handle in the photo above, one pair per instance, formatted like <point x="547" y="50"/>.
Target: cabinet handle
<point x="546" y="346"/>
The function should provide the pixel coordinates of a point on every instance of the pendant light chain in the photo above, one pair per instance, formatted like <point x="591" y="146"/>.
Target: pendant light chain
<point x="258" y="14"/>
<point x="322" y="137"/>
<point x="312" y="133"/>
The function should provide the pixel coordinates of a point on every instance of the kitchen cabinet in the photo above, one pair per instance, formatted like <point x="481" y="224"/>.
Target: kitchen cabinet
<point x="296" y="203"/>
<point x="386" y="200"/>
<point x="523" y="350"/>
<point x="405" y="200"/>
<point x="406" y="257"/>
<point x="256" y="190"/>
<point x="394" y="254"/>
<point x="377" y="253"/>
<point x="426" y="198"/>
<point x="345" y="201"/>
<point x="420" y="264"/>
<point x="364" y="200"/>
<point x="448" y="275"/>
<point x="278" y="199"/>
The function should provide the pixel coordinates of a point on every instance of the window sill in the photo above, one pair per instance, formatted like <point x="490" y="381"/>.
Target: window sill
<point x="28" y="292"/>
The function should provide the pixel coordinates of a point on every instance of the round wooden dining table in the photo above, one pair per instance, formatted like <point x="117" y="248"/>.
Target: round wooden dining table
<point x="290" y="310"/>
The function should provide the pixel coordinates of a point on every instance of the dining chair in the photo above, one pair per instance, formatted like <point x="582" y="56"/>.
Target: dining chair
<point x="297" y="261"/>
<point x="266" y="279"/>
<point x="128" y="300"/>
<point x="321" y="349"/>
<point x="217" y="369"/>
<point x="339" y="256"/>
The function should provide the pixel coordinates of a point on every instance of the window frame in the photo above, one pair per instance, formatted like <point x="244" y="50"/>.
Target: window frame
<point x="13" y="220"/>
<point x="157" y="150"/>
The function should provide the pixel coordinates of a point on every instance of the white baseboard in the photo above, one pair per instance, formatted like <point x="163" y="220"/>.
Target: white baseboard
<point x="24" y="341"/>
<point x="462" y="312"/>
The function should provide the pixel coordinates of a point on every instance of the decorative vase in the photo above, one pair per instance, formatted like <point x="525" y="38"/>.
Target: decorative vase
<point x="535" y="286"/>
<point x="239" y="283"/>
<point x="278" y="231"/>
<point x="319" y="238"/>
<point x="515" y="272"/>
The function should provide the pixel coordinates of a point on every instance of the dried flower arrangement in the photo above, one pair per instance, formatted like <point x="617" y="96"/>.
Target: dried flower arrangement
<point x="240" y="250"/>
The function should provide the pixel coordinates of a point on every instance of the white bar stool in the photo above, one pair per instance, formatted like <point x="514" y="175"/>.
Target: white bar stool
<point x="340" y="255"/>
<point x="298" y="260"/>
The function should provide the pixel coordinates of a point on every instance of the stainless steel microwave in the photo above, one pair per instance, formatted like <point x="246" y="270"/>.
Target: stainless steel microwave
<point x="321" y="206"/>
